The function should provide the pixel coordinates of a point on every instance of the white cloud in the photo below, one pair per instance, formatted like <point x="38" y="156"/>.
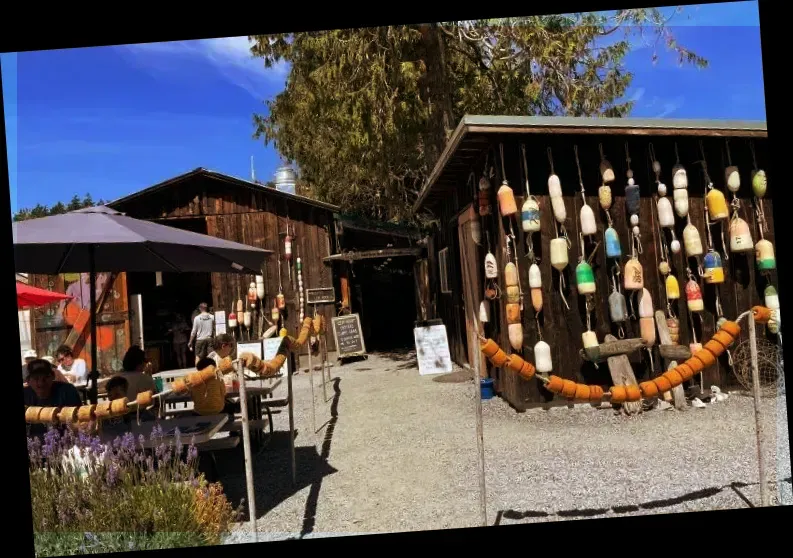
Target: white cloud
<point x="230" y="56"/>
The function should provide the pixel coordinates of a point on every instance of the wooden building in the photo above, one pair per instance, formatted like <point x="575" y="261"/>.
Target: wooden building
<point x="456" y="261"/>
<point x="234" y="209"/>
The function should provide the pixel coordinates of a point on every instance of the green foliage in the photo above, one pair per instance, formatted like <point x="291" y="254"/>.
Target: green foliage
<point x="366" y="112"/>
<point x="90" y="498"/>
<point x="57" y="209"/>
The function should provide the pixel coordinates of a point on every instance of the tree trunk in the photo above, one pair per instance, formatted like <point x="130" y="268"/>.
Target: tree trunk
<point x="437" y="94"/>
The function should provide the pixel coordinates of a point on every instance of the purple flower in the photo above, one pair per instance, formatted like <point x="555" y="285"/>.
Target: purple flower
<point x="141" y="440"/>
<point x="111" y="476"/>
<point x="192" y="453"/>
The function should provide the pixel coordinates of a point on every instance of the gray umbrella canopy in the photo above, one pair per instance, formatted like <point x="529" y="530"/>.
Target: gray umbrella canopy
<point x="66" y="243"/>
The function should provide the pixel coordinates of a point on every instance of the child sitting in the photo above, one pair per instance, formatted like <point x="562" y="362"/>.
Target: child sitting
<point x="117" y="388"/>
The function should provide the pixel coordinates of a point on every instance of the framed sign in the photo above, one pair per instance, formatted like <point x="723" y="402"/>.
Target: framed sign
<point x="349" y="337"/>
<point x="325" y="295"/>
<point x="432" y="350"/>
<point x="271" y="346"/>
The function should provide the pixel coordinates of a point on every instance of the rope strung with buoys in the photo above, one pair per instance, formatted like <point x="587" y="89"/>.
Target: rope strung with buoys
<point x="699" y="361"/>
<point x="120" y="407"/>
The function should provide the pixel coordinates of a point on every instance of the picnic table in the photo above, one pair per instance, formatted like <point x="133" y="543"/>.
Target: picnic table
<point x="196" y="430"/>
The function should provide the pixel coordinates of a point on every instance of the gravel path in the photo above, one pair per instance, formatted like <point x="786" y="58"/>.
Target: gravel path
<point x="401" y="456"/>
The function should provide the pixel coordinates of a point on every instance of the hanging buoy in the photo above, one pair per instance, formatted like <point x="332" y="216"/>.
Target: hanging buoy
<point x="764" y="254"/>
<point x="759" y="183"/>
<point x="246" y="319"/>
<point x="280" y="301"/>
<point x="484" y="184"/>
<point x="646" y="318"/>
<point x="664" y="268"/>
<point x="606" y="171"/>
<point x="672" y="288"/>
<point x="665" y="214"/>
<point x="240" y="306"/>
<point x="491" y="267"/>
<point x="634" y="275"/>
<point x="530" y="215"/>
<point x="771" y="299"/>
<point x="484" y="203"/>
<point x="681" y="202"/>
<point x="694" y="300"/>
<point x="673" y="325"/>
<point x="585" y="278"/>
<point x="589" y="339"/>
<point x="733" y="179"/>
<point x="232" y="320"/>
<point x="559" y="256"/>
<point x="510" y="275"/>
<point x="288" y="247"/>
<point x="260" y="287"/>
<point x="542" y="357"/>
<point x="252" y="296"/>
<point x="717" y="205"/>
<point x="513" y="294"/>
<point x="679" y="177"/>
<point x="484" y="312"/>
<point x="661" y="189"/>
<point x="535" y="284"/>
<point x="618" y="307"/>
<point x="740" y="236"/>
<point x="513" y="313"/>
<point x="588" y="224"/>
<point x="515" y="332"/>
<point x="476" y="231"/>
<point x="613" y="247"/>
<point x="632" y="198"/>
<point x="604" y="197"/>
<point x="714" y="272"/>
<point x="692" y="241"/>
<point x="694" y="347"/>
<point x="557" y="201"/>
<point x="275" y="313"/>
<point x="506" y="200"/>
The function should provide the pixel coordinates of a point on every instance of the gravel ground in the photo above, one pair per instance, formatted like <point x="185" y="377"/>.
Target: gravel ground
<point x="401" y="455"/>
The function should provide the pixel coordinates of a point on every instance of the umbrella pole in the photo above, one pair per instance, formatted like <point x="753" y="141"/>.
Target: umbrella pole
<point x="93" y="395"/>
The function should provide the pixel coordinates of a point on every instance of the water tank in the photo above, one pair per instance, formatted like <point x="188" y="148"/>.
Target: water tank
<point x="285" y="179"/>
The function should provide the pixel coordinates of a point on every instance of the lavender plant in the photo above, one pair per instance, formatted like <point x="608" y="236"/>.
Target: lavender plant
<point x="88" y="497"/>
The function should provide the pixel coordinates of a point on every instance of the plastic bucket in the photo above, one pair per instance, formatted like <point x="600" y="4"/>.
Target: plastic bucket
<point x="486" y="387"/>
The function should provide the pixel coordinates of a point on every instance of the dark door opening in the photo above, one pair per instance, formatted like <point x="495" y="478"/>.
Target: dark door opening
<point x="179" y="295"/>
<point x="384" y="296"/>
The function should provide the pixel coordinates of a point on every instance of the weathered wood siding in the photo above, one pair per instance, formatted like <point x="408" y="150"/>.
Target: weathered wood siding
<point x="52" y="329"/>
<point x="562" y="328"/>
<point x="258" y="218"/>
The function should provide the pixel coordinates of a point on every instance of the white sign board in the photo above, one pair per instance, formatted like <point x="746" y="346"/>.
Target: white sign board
<point x="220" y="322"/>
<point x="432" y="350"/>
<point x="253" y="347"/>
<point x="271" y="347"/>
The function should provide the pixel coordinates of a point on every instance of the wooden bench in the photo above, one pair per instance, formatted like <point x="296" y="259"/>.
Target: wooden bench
<point x="219" y="444"/>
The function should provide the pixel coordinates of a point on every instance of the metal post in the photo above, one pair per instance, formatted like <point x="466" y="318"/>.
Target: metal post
<point x="313" y="399"/>
<point x="764" y="499"/>
<point x="324" y="356"/>
<point x="246" y="440"/>
<point x="93" y="392"/>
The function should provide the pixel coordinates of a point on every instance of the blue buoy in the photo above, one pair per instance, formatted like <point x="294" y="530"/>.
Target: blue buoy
<point x="486" y="387"/>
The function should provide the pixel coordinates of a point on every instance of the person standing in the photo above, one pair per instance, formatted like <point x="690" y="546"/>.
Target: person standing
<point x="180" y="332"/>
<point x="203" y="332"/>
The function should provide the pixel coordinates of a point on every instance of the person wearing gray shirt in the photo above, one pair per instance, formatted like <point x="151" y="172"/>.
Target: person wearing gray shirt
<point x="203" y="330"/>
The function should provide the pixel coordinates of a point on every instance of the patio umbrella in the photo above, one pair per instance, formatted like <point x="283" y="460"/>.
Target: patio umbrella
<point x="100" y="239"/>
<point x="33" y="297"/>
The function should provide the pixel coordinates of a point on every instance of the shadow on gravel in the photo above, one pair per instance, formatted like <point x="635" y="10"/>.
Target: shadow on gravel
<point x="651" y="505"/>
<point x="273" y="473"/>
<point x="406" y="358"/>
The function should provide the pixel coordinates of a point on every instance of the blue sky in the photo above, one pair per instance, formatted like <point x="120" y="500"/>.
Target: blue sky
<point x="114" y="120"/>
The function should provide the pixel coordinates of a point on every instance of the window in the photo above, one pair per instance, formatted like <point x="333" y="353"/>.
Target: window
<point x="443" y="269"/>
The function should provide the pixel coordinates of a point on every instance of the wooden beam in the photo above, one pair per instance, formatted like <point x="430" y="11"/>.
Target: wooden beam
<point x="354" y="255"/>
<point x="604" y="131"/>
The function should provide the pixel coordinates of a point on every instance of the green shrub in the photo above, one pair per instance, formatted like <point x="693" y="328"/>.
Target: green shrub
<point x="90" y="498"/>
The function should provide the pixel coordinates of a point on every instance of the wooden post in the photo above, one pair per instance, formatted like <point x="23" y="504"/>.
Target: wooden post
<point x="290" y="398"/>
<point x="758" y="419"/>
<point x="313" y="399"/>
<point x="480" y="441"/>
<point x="246" y="440"/>
<point x="324" y="356"/>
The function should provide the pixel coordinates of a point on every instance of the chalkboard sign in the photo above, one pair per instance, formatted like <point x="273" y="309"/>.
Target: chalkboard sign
<point x="432" y="350"/>
<point x="349" y="338"/>
<point x="326" y="295"/>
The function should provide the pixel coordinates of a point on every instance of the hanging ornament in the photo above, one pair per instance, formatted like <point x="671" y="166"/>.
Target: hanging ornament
<point x="646" y="317"/>
<point x="530" y="213"/>
<point x="275" y="314"/>
<point x="561" y="244"/>
<point x="618" y="308"/>
<point x="484" y="312"/>
<point x="764" y="254"/>
<point x="694" y="300"/>
<point x="606" y="170"/>
<point x="771" y="299"/>
<point x="542" y="357"/>
<point x="506" y="197"/>
<point x="555" y="192"/>
<point x="535" y="284"/>
<point x="587" y="216"/>
<point x="764" y="249"/>
<point x="252" y="296"/>
<point x="260" y="287"/>
<point x="232" y="320"/>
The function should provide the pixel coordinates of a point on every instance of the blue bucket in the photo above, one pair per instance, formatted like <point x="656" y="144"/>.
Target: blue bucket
<point x="486" y="387"/>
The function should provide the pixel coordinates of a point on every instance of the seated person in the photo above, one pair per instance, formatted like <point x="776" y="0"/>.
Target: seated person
<point x="138" y="381"/>
<point x="73" y="369"/>
<point x="27" y="358"/>
<point x="117" y="387"/>
<point x="209" y="398"/>
<point x="223" y="345"/>
<point x="43" y="391"/>
<point x="59" y="377"/>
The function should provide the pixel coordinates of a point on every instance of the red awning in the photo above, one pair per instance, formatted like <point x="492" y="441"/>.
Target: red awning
<point x="29" y="297"/>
